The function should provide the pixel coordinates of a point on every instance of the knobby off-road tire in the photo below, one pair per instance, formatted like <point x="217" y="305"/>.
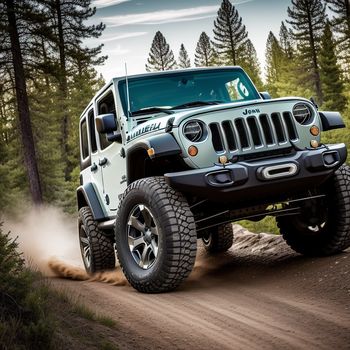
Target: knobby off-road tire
<point x="156" y="240"/>
<point x="218" y="239"/>
<point x="333" y="235"/>
<point x="97" y="249"/>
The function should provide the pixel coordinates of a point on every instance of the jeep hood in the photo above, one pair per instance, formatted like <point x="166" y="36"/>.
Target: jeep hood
<point x="158" y="121"/>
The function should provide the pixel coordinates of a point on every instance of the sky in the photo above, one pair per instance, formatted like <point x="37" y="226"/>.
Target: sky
<point x="132" y="24"/>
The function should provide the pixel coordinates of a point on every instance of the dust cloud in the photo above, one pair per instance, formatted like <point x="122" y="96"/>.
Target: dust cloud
<point x="48" y="239"/>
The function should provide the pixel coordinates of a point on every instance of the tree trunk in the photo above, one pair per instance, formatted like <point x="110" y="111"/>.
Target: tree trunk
<point x="23" y="107"/>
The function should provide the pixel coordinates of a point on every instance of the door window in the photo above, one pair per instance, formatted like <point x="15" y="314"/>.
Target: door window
<point x="104" y="106"/>
<point x="92" y="131"/>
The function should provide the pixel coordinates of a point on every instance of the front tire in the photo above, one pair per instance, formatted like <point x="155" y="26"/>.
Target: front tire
<point x="330" y="234"/>
<point x="156" y="239"/>
<point x="218" y="239"/>
<point x="96" y="248"/>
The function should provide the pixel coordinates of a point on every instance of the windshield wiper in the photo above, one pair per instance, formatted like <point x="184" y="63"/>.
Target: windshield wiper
<point x="196" y="104"/>
<point x="151" y="110"/>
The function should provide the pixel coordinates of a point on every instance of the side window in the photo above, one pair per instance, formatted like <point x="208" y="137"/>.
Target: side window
<point x="84" y="140"/>
<point x="106" y="105"/>
<point x="92" y="131"/>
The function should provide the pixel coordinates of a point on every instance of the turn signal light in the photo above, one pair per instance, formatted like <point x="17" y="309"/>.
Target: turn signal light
<point x="314" y="130"/>
<point x="192" y="151"/>
<point x="151" y="152"/>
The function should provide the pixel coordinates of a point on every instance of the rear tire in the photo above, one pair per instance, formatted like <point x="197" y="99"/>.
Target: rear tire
<point x="331" y="234"/>
<point x="96" y="248"/>
<point x="156" y="239"/>
<point x="218" y="239"/>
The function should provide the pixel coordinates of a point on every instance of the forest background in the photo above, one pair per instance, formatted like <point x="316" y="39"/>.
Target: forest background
<point x="48" y="76"/>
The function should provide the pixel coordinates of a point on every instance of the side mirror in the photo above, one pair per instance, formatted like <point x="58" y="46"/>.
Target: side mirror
<point x="106" y="123"/>
<point x="265" y="95"/>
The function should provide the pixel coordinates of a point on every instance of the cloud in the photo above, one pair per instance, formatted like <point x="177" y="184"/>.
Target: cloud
<point x="165" y="16"/>
<point x="117" y="51"/>
<point x="124" y="36"/>
<point x="106" y="3"/>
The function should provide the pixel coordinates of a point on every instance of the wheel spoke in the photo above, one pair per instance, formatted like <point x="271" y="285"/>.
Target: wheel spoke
<point x="144" y="260"/>
<point x="135" y="223"/>
<point x="154" y="230"/>
<point x="154" y="247"/>
<point x="146" y="216"/>
<point x="135" y="242"/>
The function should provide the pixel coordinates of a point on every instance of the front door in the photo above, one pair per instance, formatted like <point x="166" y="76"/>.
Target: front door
<point x="110" y="162"/>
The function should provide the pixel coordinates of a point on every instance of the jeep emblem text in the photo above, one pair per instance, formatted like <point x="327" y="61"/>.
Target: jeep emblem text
<point x="251" y="111"/>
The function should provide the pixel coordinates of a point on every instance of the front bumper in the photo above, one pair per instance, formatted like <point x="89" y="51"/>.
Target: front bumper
<point x="261" y="180"/>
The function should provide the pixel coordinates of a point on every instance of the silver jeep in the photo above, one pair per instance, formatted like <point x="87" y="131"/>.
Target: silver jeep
<point x="173" y="156"/>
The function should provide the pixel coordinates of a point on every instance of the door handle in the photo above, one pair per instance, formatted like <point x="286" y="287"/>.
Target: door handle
<point x="93" y="167"/>
<point x="102" y="161"/>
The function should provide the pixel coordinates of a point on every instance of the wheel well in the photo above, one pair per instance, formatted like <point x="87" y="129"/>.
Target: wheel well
<point x="139" y="165"/>
<point x="81" y="200"/>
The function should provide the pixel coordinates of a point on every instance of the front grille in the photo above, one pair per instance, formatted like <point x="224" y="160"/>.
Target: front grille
<point x="254" y="133"/>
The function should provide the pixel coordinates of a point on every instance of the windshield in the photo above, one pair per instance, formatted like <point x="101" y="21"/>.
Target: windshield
<point x="186" y="89"/>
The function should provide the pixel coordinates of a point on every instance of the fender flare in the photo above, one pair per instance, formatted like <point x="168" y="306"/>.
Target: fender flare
<point x="331" y="120"/>
<point x="86" y="195"/>
<point x="162" y="145"/>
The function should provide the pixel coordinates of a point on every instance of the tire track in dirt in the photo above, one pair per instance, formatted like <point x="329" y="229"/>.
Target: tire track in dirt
<point x="259" y="295"/>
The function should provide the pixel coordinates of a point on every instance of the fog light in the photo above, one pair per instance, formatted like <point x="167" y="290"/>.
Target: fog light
<point x="314" y="130"/>
<point x="223" y="159"/>
<point x="314" y="143"/>
<point x="192" y="151"/>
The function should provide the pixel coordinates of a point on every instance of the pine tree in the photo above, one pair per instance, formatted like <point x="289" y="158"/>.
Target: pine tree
<point x="286" y="41"/>
<point x="251" y="65"/>
<point x="13" y="20"/>
<point x="307" y="18"/>
<point x="161" y="57"/>
<point x="341" y="23"/>
<point x="332" y="85"/>
<point x="184" y="60"/>
<point x="65" y="29"/>
<point x="205" y="54"/>
<point x="274" y="63"/>
<point x="230" y="35"/>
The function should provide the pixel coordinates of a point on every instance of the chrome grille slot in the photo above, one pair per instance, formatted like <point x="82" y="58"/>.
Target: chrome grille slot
<point x="229" y="134"/>
<point x="277" y="123"/>
<point x="217" y="140"/>
<point x="242" y="133"/>
<point x="266" y="128"/>
<point x="292" y="132"/>
<point x="253" y="127"/>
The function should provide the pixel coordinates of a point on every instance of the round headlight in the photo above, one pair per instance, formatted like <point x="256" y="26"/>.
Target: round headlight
<point x="302" y="113"/>
<point x="193" y="131"/>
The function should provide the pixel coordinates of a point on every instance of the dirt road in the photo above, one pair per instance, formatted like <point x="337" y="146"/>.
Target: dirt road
<point x="259" y="295"/>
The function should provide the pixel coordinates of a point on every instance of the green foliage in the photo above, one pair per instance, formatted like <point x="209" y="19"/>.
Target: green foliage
<point x="184" y="60"/>
<point x="332" y="85"/>
<point x="266" y="225"/>
<point x="161" y="57"/>
<point x="250" y="63"/>
<point x="307" y="18"/>
<point x="341" y="24"/>
<point x="24" y="320"/>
